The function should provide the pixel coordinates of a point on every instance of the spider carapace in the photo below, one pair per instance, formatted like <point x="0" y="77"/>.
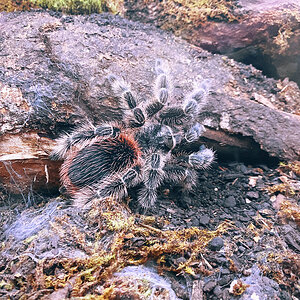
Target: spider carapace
<point x="107" y="159"/>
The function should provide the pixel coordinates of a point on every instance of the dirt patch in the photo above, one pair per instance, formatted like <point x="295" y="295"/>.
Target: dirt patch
<point x="236" y="234"/>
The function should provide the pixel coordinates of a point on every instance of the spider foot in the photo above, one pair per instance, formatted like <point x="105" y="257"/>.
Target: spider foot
<point x="194" y="133"/>
<point x="201" y="159"/>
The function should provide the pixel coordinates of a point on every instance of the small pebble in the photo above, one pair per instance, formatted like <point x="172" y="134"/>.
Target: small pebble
<point x="221" y="259"/>
<point x="242" y="168"/>
<point x="233" y="176"/>
<point x="229" y="202"/>
<point x="247" y="272"/>
<point x="226" y="216"/>
<point x="224" y="280"/>
<point x="284" y="295"/>
<point x="209" y="286"/>
<point x="225" y="271"/>
<point x="218" y="291"/>
<point x="180" y="260"/>
<point x="195" y="222"/>
<point x="241" y="248"/>
<point x="252" y="195"/>
<point x="204" y="220"/>
<point x="216" y="244"/>
<point x="264" y="167"/>
<point x="244" y="218"/>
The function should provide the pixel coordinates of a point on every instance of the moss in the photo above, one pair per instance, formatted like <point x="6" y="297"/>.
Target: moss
<point x="239" y="288"/>
<point x="6" y="285"/>
<point x="16" y="5"/>
<point x="115" y="222"/>
<point x="293" y="166"/>
<point x="290" y="211"/>
<point x="181" y="14"/>
<point x="81" y="6"/>
<point x="284" y="25"/>
<point x="284" y="267"/>
<point x="67" y="6"/>
<point x="283" y="188"/>
<point x="72" y="6"/>
<point x="130" y="240"/>
<point x="286" y="30"/>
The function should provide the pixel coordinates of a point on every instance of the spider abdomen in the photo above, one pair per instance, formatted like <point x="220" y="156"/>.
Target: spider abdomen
<point x="93" y="162"/>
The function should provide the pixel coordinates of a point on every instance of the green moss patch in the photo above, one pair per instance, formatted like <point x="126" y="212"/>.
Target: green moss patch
<point x="67" y="6"/>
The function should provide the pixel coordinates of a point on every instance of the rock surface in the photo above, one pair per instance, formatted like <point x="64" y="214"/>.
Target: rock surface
<point x="52" y="78"/>
<point x="264" y="33"/>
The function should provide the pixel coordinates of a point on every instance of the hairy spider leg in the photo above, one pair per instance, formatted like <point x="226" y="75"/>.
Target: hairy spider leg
<point x="156" y="137"/>
<point x="182" y="169"/>
<point x="81" y="135"/>
<point x="183" y="119"/>
<point x="162" y="90"/>
<point x="185" y="115"/>
<point x="117" y="185"/>
<point x="133" y="115"/>
<point x="179" y="173"/>
<point x="153" y="177"/>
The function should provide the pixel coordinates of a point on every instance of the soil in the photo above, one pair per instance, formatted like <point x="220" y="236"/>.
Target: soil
<point x="261" y="247"/>
<point x="239" y="193"/>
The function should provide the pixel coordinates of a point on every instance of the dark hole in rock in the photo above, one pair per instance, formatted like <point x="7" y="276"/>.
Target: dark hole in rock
<point x="279" y="67"/>
<point x="245" y="150"/>
<point x="255" y="57"/>
<point x="253" y="156"/>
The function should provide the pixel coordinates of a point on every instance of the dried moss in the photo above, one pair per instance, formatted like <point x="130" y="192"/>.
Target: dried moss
<point x="16" y="5"/>
<point x="239" y="288"/>
<point x="81" y="6"/>
<point x="181" y="14"/>
<point x="283" y="188"/>
<point x="127" y="288"/>
<point x="284" y="267"/>
<point x="286" y="32"/>
<point x="290" y="211"/>
<point x="67" y="6"/>
<point x="289" y="186"/>
<point x="294" y="167"/>
<point x="72" y="6"/>
<point x="129" y="240"/>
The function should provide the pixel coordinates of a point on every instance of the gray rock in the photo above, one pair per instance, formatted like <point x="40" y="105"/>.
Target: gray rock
<point x="209" y="286"/>
<point x="216" y="244"/>
<point x="55" y="72"/>
<point x="252" y="195"/>
<point x="218" y="291"/>
<point x="204" y="220"/>
<point x="241" y="248"/>
<point x="229" y="202"/>
<point x="260" y="287"/>
<point x="224" y="280"/>
<point x="225" y="271"/>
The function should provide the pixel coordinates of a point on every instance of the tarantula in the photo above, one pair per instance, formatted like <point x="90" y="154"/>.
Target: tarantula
<point x="107" y="159"/>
